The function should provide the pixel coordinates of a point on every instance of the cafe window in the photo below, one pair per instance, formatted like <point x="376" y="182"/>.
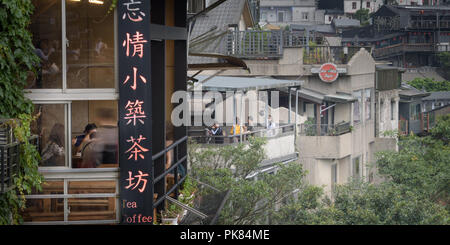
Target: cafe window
<point x="50" y="126"/>
<point x="74" y="92"/>
<point x="94" y="134"/>
<point x="90" y="45"/>
<point x="46" y="28"/>
<point x="75" y="43"/>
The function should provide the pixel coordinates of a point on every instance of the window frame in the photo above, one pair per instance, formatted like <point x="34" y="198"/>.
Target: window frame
<point x="66" y="96"/>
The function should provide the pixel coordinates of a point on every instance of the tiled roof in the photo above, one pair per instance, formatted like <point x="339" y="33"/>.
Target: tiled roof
<point x="214" y="24"/>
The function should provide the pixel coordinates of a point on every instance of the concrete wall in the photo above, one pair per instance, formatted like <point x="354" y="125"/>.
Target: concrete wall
<point x="325" y="147"/>
<point x="384" y="111"/>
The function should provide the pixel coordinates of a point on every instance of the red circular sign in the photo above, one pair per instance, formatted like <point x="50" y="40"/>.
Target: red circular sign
<point x="328" y="72"/>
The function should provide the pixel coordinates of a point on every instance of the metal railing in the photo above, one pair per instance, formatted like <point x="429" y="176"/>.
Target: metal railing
<point x="179" y="149"/>
<point x="335" y="54"/>
<point x="253" y="44"/>
<point x="243" y="137"/>
<point x="401" y="48"/>
<point x="307" y="129"/>
<point x="10" y="162"/>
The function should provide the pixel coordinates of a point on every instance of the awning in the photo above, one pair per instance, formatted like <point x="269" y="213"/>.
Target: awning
<point x="311" y="95"/>
<point x="228" y="62"/>
<point x="227" y="83"/>
<point x="340" y="98"/>
<point x="319" y="98"/>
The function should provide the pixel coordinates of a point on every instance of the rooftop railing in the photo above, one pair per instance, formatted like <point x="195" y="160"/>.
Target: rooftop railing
<point x="253" y="44"/>
<point x="336" y="54"/>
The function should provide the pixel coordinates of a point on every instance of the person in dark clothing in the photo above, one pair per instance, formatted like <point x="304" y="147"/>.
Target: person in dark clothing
<point x="80" y="140"/>
<point x="217" y="131"/>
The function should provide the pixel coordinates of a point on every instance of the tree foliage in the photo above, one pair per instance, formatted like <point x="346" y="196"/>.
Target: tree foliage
<point x="227" y="168"/>
<point x="415" y="190"/>
<point x="430" y="85"/>
<point x="363" y="16"/>
<point x="17" y="58"/>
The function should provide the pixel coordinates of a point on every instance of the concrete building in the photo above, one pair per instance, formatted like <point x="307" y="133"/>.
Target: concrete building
<point x="351" y="6"/>
<point x="436" y="100"/>
<point x="336" y="144"/>
<point x="410" y="2"/>
<point x="285" y="12"/>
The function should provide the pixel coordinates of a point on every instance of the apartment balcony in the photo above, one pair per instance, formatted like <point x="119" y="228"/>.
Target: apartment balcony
<point x="324" y="129"/>
<point x="252" y="44"/>
<point x="402" y="48"/>
<point x="325" y="141"/>
<point x="280" y="145"/>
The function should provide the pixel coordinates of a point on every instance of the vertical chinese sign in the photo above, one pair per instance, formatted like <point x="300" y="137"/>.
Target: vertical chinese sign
<point x="135" y="128"/>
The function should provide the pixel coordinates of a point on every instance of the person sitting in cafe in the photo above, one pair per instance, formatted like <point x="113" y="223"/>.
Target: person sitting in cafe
<point x="90" y="154"/>
<point x="53" y="152"/>
<point x="79" y="141"/>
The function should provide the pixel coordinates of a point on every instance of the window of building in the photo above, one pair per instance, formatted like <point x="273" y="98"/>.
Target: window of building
<point x="304" y="15"/>
<point x="353" y="5"/>
<point x="90" y="48"/>
<point x="46" y="27"/>
<point x="264" y="16"/>
<point x="392" y="109"/>
<point x="357" y="106"/>
<point x="333" y="176"/>
<point x="415" y="111"/>
<point x="75" y="87"/>
<point x="368" y="103"/>
<point x="281" y="16"/>
<point x="356" y="167"/>
<point x="368" y="5"/>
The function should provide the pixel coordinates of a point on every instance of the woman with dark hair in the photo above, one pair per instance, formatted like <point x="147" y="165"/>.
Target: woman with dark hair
<point x="53" y="153"/>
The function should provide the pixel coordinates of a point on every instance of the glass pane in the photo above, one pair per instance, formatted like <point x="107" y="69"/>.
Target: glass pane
<point x="96" y="208"/>
<point x="46" y="209"/>
<point x="94" y="134"/>
<point x="90" y="52"/>
<point x="102" y="208"/>
<point x="50" y="127"/>
<point x="51" y="187"/>
<point x="83" y="187"/>
<point x="46" y="29"/>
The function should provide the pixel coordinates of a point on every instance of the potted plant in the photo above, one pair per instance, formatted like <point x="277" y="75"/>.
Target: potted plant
<point x="170" y="215"/>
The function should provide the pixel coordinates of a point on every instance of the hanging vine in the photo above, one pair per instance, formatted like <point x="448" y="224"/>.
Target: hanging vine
<point x="17" y="59"/>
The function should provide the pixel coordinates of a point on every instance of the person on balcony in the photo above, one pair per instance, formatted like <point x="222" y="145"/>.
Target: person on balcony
<point x="236" y="130"/>
<point x="271" y="126"/>
<point x="217" y="132"/>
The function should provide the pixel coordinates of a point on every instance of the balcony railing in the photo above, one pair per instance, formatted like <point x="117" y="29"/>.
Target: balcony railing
<point x="264" y="44"/>
<point x="401" y="48"/>
<point x="324" y="129"/>
<point x="335" y="54"/>
<point x="202" y="138"/>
